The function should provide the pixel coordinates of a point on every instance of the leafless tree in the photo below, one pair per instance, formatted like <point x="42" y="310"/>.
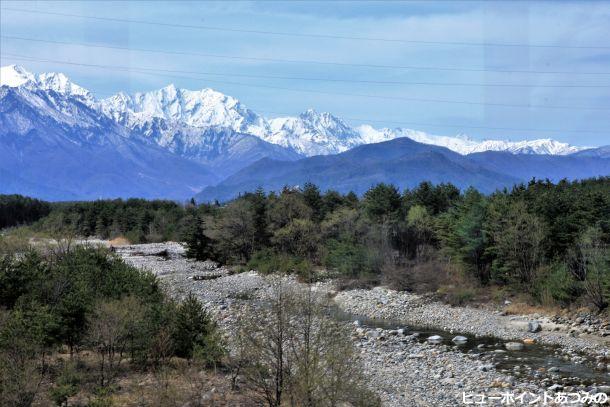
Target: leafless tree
<point x="109" y="333"/>
<point x="291" y="353"/>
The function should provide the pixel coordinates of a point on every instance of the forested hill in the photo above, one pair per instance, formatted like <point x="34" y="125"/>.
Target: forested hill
<point x="405" y="163"/>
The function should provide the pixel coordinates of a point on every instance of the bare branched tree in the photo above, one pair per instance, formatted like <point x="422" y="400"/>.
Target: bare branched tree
<point x="290" y="352"/>
<point x="110" y="332"/>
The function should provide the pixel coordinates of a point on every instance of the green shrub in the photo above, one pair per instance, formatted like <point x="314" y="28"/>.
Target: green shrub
<point x="555" y="284"/>
<point x="195" y="334"/>
<point x="351" y="259"/>
<point x="66" y="385"/>
<point x="268" y="261"/>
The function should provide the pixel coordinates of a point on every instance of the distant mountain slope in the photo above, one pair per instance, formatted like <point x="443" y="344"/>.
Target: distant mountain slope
<point x="603" y="152"/>
<point x="56" y="147"/>
<point x="406" y="163"/>
<point x="205" y="126"/>
<point x="402" y="162"/>
<point x="555" y="168"/>
<point x="58" y="142"/>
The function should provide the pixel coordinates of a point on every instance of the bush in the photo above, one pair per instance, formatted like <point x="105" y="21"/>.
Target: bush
<point x="268" y="261"/>
<point x="291" y="353"/>
<point x="195" y="334"/>
<point x="351" y="259"/>
<point x="457" y="295"/>
<point x="555" y="285"/>
<point x="419" y="277"/>
<point x="66" y="385"/>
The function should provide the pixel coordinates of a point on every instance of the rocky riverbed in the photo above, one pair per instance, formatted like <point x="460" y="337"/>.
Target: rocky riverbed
<point x="404" y="368"/>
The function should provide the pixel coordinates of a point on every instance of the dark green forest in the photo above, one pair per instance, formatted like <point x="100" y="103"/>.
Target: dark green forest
<point x="549" y="240"/>
<point x="18" y="210"/>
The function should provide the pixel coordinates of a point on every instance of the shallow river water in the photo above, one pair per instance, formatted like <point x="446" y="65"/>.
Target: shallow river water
<point x="533" y="361"/>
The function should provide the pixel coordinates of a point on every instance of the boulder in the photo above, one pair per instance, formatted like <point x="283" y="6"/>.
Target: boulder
<point x="514" y="346"/>
<point x="459" y="340"/>
<point x="435" y="339"/>
<point x="534" y="326"/>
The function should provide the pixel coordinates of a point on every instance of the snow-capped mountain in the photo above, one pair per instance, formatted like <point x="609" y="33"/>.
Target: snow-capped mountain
<point x="15" y="76"/>
<point x="54" y="146"/>
<point x="180" y="107"/>
<point x="312" y="133"/>
<point x="205" y="126"/>
<point x="58" y="141"/>
<point x="465" y="145"/>
<point x="180" y="121"/>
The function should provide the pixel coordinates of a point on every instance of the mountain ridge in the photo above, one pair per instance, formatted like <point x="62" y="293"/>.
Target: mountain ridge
<point x="310" y="133"/>
<point x="405" y="163"/>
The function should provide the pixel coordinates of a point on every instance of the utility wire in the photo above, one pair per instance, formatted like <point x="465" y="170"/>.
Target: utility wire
<point x="306" y="35"/>
<point x="96" y="45"/>
<point x="162" y="72"/>
<point x="409" y="123"/>
<point x="448" y="125"/>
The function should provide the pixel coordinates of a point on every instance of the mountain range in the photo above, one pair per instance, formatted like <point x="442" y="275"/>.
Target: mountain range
<point x="57" y="141"/>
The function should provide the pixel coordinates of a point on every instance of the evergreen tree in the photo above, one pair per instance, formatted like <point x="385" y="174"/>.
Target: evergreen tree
<point x="382" y="202"/>
<point x="313" y="199"/>
<point x="199" y="246"/>
<point x="259" y="206"/>
<point x="194" y="330"/>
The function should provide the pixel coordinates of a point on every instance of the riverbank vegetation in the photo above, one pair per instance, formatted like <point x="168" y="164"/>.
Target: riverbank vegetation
<point x="547" y="240"/>
<point x="77" y="324"/>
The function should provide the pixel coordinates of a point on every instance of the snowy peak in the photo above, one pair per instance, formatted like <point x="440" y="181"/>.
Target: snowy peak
<point x="541" y="146"/>
<point x="171" y="116"/>
<point x="198" y="109"/>
<point x="312" y="133"/>
<point x="464" y="145"/>
<point x="15" y="76"/>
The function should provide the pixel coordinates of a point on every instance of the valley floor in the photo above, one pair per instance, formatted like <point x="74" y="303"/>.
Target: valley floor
<point x="402" y="367"/>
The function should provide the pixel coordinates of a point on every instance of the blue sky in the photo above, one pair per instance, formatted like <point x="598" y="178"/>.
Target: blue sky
<point x="560" y="24"/>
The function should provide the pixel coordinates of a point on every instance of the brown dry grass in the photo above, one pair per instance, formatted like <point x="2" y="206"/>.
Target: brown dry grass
<point x="120" y="241"/>
<point x="176" y="384"/>
<point x="522" y="308"/>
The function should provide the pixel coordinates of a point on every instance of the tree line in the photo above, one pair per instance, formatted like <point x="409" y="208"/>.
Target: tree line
<point x="16" y="210"/>
<point x="547" y="239"/>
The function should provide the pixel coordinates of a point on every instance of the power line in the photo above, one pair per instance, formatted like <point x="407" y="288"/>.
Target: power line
<point x="409" y="123"/>
<point x="307" y="35"/>
<point x="155" y="71"/>
<point x="95" y="45"/>
<point x="448" y="125"/>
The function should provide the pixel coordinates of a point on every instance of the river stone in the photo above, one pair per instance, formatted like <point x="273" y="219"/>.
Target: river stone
<point x="460" y="339"/>
<point x="372" y="334"/>
<point x="513" y="345"/>
<point x="435" y="339"/>
<point x="534" y="326"/>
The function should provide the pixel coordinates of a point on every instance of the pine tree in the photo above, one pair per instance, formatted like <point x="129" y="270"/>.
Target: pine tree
<point x="199" y="246"/>
<point x="194" y="332"/>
